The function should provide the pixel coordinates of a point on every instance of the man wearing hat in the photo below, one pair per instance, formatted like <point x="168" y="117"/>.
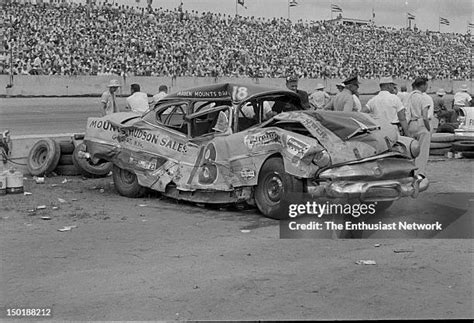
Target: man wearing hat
<point x="292" y="84"/>
<point x="387" y="106"/>
<point x="418" y="123"/>
<point x="319" y="97"/>
<point x="461" y="99"/>
<point x="344" y="101"/>
<point x="109" y="105"/>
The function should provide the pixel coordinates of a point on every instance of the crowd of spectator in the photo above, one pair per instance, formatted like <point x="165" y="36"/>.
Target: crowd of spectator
<point x="75" y="39"/>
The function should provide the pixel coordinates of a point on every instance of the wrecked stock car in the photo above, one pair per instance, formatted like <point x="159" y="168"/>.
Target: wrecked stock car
<point x="233" y="143"/>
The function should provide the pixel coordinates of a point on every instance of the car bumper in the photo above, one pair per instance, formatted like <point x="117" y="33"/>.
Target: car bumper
<point x="371" y="191"/>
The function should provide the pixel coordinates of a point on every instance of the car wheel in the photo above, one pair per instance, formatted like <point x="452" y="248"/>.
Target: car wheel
<point x="273" y="184"/>
<point x="86" y="167"/>
<point x="43" y="157"/>
<point x="126" y="183"/>
<point x="468" y="154"/>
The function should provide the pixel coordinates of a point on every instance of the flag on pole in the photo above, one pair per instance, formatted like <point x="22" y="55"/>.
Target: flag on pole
<point x="410" y="16"/>
<point x="443" y="21"/>
<point x="336" y="8"/>
<point x="242" y="3"/>
<point x="293" y="3"/>
<point x="373" y="13"/>
<point x="470" y="25"/>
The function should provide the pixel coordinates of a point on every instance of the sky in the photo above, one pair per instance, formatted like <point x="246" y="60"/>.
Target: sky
<point x="390" y="13"/>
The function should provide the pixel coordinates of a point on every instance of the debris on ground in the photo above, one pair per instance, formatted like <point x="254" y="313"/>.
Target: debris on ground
<point x="377" y="245"/>
<point x="67" y="228"/>
<point x="45" y="217"/>
<point x="27" y="193"/>
<point x="55" y="208"/>
<point x="41" y="207"/>
<point x="365" y="262"/>
<point x="64" y="181"/>
<point x="61" y="200"/>
<point x="245" y="231"/>
<point x="39" y="180"/>
<point x="403" y="250"/>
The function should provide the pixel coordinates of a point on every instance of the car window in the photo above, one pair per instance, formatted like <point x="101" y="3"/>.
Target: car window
<point x="214" y="121"/>
<point x="170" y="115"/>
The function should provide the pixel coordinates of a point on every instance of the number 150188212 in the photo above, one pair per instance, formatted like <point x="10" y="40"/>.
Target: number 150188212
<point x="28" y="312"/>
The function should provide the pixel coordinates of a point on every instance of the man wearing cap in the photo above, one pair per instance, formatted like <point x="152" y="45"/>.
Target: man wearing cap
<point x="418" y="122"/>
<point x="138" y="101"/>
<point x="319" y="98"/>
<point x="344" y="101"/>
<point x="387" y="106"/>
<point x="292" y="84"/>
<point x="109" y="105"/>
<point x="461" y="99"/>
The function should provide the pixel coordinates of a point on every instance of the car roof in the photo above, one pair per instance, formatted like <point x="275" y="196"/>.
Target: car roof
<point x="226" y="91"/>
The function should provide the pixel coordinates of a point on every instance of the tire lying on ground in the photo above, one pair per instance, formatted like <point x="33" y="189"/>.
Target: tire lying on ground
<point x="65" y="160"/>
<point x="438" y="145"/>
<point x="126" y="183"/>
<point x="463" y="138"/>
<point x="86" y="167"/>
<point x="67" y="147"/>
<point x="439" y="152"/>
<point x="43" y="157"/>
<point x="442" y="137"/>
<point x="463" y="145"/>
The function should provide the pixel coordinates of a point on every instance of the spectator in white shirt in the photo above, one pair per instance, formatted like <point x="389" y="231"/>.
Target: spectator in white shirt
<point x="461" y="99"/>
<point x="138" y="101"/>
<point x="386" y="105"/>
<point x="162" y="92"/>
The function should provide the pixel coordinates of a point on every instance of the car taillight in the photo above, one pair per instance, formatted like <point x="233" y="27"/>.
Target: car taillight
<point x="322" y="158"/>
<point x="415" y="148"/>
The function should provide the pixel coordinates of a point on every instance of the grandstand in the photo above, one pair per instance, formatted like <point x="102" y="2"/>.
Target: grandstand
<point x="77" y="39"/>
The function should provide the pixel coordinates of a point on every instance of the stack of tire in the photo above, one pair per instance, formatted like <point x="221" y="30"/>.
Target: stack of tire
<point x="465" y="146"/>
<point x="48" y="156"/>
<point x="441" y="144"/>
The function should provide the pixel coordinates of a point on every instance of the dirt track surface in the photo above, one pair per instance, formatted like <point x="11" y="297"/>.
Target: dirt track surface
<point x="154" y="258"/>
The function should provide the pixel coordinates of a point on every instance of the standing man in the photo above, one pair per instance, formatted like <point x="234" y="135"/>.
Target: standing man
<point x="387" y="106"/>
<point x="292" y="84"/>
<point x="461" y="99"/>
<point x="109" y="104"/>
<point x="344" y="101"/>
<point x="319" y="98"/>
<point x="162" y="92"/>
<point x="418" y="123"/>
<point x="138" y="101"/>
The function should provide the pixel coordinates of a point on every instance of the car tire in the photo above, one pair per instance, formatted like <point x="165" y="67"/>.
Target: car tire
<point x="439" y="145"/>
<point x="67" y="170"/>
<point x="439" y="152"/>
<point x="273" y="183"/>
<point x="442" y="137"/>
<point x="65" y="160"/>
<point x="67" y="147"/>
<point x="87" y="168"/>
<point x="126" y="183"/>
<point x="43" y="157"/>
<point x="463" y="146"/>
<point x="463" y="138"/>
